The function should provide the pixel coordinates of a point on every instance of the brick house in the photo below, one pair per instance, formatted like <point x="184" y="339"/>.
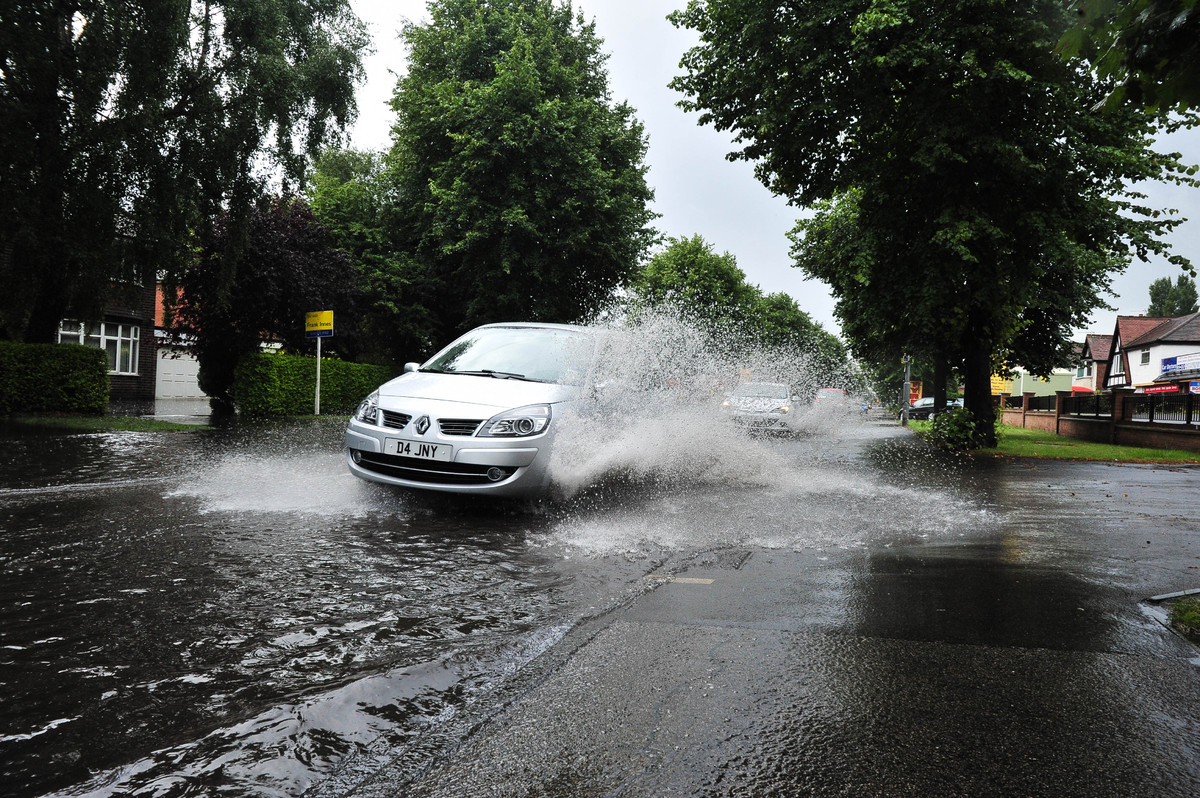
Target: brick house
<point x="1155" y="355"/>
<point x="126" y="334"/>
<point x="1093" y="364"/>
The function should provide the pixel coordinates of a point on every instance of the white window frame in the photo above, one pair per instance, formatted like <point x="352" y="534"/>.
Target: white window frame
<point x="120" y="342"/>
<point x="1145" y="357"/>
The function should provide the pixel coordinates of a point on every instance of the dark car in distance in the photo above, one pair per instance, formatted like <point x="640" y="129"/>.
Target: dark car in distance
<point x="923" y="408"/>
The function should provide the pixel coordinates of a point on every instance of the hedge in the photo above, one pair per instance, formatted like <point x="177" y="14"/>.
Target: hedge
<point x="65" y="378"/>
<point x="284" y="385"/>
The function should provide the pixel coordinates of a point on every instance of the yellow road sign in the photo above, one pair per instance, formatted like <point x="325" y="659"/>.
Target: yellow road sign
<point x="318" y="324"/>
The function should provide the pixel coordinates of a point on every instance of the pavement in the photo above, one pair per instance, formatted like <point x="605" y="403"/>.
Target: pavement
<point x="1021" y="662"/>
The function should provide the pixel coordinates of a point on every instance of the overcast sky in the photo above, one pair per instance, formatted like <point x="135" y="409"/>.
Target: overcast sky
<point x="697" y="191"/>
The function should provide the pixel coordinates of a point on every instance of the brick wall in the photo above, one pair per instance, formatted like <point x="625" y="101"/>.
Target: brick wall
<point x="134" y="304"/>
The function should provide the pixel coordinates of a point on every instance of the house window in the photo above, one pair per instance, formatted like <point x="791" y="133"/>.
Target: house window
<point x="1145" y="357"/>
<point x="119" y="341"/>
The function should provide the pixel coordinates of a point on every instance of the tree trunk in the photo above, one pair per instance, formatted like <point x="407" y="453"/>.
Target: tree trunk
<point x="977" y="375"/>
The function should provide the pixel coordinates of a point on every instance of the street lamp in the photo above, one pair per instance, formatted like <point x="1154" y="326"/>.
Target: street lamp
<point x="906" y="392"/>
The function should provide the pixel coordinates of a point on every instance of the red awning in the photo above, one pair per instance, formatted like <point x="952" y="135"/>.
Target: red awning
<point x="1080" y="389"/>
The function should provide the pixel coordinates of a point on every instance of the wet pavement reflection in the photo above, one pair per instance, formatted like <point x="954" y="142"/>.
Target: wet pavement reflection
<point x="228" y="611"/>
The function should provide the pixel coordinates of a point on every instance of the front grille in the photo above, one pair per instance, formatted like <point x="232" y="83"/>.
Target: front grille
<point x="394" y="420"/>
<point x="431" y="471"/>
<point x="459" y="426"/>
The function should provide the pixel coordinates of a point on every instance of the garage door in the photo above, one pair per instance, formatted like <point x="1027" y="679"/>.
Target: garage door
<point x="177" y="376"/>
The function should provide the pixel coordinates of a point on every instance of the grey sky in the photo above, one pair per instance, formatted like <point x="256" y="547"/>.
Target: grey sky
<point x="697" y="190"/>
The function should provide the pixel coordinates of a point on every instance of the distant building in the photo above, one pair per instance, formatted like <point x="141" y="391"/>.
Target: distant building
<point x="177" y="370"/>
<point x="1093" y="364"/>
<point x="1155" y="355"/>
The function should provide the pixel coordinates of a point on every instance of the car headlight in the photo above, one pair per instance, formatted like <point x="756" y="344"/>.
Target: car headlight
<point x="518" y="423"/>
<point x="368" y="411"/>
<point x="783" y="409"/>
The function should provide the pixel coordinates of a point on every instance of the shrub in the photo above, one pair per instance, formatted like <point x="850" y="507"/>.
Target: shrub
<point x="953" y="430"/>
<point x="1185" y="616"/>
<point x="284" y="385"/>
<point x="64" y="378"/>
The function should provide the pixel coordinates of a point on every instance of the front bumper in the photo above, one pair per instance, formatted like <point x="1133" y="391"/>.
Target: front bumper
<point x="772" y="421"/>
<point x="484" y="466"/>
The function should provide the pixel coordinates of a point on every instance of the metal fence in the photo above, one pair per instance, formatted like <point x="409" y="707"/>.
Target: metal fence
<point x="1043" y="403"/>
<point x="1182" y="408"/>
<point x="1093" y="405"/>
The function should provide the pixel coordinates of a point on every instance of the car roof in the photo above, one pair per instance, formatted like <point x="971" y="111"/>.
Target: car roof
<point x="539" y="325"/>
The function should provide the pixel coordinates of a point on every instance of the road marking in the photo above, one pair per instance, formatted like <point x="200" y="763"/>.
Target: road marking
<point x="683" y="580"/>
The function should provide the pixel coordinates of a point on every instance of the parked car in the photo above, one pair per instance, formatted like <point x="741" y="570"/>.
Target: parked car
<point x="762" y="405"/>
<point x="923" y="407"/>
<point x="479" y="416"/>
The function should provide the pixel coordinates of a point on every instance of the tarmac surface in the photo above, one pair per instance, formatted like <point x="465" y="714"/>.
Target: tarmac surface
<point x="1014" y="657"/>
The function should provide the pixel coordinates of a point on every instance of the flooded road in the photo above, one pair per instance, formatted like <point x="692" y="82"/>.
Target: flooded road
<point x="229" y="612"/>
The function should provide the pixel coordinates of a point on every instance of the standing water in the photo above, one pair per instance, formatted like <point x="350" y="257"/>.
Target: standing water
<point x="230" y="612"/>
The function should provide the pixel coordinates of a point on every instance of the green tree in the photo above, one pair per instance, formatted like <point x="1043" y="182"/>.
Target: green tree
<point x="352" y="195"/>
<point x="127" y="128"/>
<point x="1150" y="49"/>
<point x="970" y="204"/>
<point x="1167" y="299"/>
<point x="688" y="273"/>
<point x="689" y="277"/>
<point x="287" y="268"/>
<point x="520" y="186"/>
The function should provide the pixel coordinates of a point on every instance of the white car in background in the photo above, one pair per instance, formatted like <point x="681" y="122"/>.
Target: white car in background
<point x="762" y="405"/>
<point x="479" y="416"/>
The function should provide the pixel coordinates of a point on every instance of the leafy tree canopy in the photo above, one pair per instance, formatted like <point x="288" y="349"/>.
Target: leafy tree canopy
<point x="141" y="121"/>
<point x="968" y="201"/>
<point x="519" y="185"/>
<point x="1167" y="299"/>
<point x="353" y="195"/>
<point x="287" y="267"/>
<point x="687" y="274"/>
<point x="1150" y="49"/>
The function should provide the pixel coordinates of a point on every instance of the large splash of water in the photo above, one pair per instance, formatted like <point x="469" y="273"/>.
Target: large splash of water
<point x="655" y="412"/>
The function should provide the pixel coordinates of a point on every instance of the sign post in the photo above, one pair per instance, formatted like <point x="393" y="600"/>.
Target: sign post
<point x="318" y="324"/>
<point x="906" y="393"/>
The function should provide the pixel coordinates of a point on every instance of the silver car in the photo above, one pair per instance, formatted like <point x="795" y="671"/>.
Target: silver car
<point x="479" y="416"/>
<point x="762" y="405"/>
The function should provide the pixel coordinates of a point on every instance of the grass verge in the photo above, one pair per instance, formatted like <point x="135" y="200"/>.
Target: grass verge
<point x="1185" y="616"/>
<point x="1019" y="442"/>
<point x="100" y="424"/>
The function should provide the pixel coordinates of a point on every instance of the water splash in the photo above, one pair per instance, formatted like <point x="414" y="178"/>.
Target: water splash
<point x="303" y="482"/>
<point x="655" y="412"/>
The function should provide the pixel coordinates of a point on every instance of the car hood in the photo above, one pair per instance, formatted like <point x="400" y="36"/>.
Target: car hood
<point x="490" y="392"/>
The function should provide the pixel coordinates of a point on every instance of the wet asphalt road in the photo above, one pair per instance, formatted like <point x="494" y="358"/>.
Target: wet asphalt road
<point x="1015" y="656"/>
<point x="843" y="613"/>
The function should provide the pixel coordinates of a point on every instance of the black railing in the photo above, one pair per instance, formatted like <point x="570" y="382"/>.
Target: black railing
<point x="1043" y="403"/>
<point x="1092" y="405"/>
<point x="1179" y="408"/>
<point x="1014" y="402"/>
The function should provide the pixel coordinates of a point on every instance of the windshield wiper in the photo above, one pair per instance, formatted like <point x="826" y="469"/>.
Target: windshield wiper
<point x="500" y="375"/>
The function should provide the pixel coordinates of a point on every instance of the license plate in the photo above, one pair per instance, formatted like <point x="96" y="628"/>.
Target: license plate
<point x="419" y="449"/>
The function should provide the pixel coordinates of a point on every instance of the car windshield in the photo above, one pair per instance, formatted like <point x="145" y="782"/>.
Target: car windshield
<point x="542" y="354"/>
<point x="830" y="393"/>
<point x="761" y="390"/>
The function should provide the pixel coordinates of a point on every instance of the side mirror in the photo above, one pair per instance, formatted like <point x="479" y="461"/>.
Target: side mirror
<point x="410" y="367"/>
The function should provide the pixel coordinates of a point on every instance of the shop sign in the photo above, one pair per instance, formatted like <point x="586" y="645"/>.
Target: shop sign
<point x="1172" y="388"/>
<point x="1190" y="362"/>
<point x="1195" y="386"/>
